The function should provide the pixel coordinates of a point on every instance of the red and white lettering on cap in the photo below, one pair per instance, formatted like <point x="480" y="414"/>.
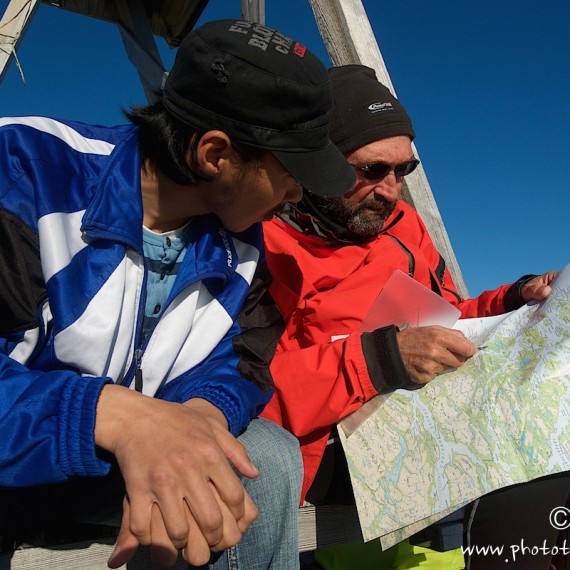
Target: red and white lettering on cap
<point x="263" y="38"/>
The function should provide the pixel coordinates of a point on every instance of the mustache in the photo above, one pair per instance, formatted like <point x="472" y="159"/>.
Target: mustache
<point x="376" y="204"/>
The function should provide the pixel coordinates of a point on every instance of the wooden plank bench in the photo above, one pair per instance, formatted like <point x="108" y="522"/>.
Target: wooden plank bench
<point x="318" y="526"/>
<point x="327" y="525"/>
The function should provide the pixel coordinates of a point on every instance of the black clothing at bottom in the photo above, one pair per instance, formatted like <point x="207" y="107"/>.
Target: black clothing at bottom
<point x="511" y="528"/>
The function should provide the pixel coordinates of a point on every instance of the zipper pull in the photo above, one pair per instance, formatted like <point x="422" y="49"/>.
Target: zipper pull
<point x="138" y="371"/>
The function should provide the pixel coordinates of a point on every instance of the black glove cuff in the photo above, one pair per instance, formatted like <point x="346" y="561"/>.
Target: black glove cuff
<point x="513" y="298"/>
<point x="384" y="361"/>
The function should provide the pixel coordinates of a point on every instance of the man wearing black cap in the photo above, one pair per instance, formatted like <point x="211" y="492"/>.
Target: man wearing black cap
<point x="132" y="257"/>
<point x="330" y="258"/>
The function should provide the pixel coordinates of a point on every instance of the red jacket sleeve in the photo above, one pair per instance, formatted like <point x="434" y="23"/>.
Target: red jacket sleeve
<point x="412" y="231"/>
<point x="318" y="385"/>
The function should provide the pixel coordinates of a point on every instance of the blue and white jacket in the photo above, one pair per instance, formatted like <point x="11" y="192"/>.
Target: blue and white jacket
<point x="72" y="291"/>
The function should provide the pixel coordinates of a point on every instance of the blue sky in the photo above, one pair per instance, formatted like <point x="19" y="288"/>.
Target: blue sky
<point x="487" y="85"/>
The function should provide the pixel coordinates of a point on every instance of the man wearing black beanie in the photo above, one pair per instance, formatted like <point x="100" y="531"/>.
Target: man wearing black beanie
<point x="331" y="257"/>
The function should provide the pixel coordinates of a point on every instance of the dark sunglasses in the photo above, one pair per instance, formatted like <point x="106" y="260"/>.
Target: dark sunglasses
<point x="379" y="170"/>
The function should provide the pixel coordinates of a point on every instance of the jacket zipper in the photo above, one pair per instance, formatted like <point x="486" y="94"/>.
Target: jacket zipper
<point x="138" y="352"/>
<point x="138" y="370"/>
<point x="141" y="344"/>
<point x="411" y="260"/>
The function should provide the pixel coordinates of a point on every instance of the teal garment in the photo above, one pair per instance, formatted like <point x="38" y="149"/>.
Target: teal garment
<point x="163" y="254"/>
<point x="402" y="556"/>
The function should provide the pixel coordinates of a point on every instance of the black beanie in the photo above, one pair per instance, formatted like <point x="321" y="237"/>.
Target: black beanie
<point x="364" y="110"/>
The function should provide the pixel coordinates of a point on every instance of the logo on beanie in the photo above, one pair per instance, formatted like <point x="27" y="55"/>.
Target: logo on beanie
<point x="263" y="38"/>
<point x="380" y="107"/>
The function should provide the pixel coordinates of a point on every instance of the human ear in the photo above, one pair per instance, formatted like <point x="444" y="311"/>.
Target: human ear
<point x="212" y="150"/>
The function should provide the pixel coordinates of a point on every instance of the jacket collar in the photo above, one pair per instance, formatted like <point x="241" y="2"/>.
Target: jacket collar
<point x="115" y="212"/>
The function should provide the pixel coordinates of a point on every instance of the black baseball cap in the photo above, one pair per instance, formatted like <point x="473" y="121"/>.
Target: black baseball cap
<point x="262" y="89"/>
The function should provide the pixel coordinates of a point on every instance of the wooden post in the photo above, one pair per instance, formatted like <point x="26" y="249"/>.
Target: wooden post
<point x="140" y="46"/>
<point x="16" y="17"/>
<point x="253" y="11"/>
<point x="349" y="39"/>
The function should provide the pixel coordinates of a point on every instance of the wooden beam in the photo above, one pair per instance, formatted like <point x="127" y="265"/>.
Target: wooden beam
<point x="253" y="11"/>
<point x="349" y="39"/>
<point x="17" y="16"/>
<point x="140" y="45"/>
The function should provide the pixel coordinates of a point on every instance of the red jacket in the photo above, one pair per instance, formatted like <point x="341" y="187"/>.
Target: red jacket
<point x="325" y="289"/>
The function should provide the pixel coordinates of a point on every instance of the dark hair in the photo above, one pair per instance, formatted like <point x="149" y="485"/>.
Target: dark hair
<point x="164" y="141"/>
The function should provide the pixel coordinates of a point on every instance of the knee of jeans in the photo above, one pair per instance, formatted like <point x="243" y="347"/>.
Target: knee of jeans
<point x="289" y="453"/>
<point x="279" y="456"/>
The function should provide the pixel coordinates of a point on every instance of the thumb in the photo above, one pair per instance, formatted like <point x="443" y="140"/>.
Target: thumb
<point x="236" y="454"/>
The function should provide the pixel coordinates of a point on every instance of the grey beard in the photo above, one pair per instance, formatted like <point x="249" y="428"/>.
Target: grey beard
<point x="358" y="219"/>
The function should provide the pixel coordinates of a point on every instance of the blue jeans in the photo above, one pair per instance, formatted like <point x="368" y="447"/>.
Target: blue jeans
<point x="271" y="542"/>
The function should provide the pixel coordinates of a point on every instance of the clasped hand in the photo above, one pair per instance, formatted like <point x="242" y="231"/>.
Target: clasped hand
<point x="182" y="493"/>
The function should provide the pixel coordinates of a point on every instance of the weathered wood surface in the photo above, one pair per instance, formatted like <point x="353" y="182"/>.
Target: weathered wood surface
<point x="16" y="17"/>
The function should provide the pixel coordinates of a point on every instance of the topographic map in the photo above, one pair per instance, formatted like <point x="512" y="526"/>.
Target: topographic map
<point x="502" y="418"/>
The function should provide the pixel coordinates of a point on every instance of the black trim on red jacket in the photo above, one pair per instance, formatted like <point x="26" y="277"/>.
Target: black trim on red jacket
<point x="513" y="297"/>
<point x="384" y="361"/>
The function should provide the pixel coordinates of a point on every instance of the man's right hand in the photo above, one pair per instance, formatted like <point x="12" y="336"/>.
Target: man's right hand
<point x="428" y="351"/>
<point x="181" y="489"/>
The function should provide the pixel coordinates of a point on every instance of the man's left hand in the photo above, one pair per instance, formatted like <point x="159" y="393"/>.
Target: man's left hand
<point x="538" y="288"/>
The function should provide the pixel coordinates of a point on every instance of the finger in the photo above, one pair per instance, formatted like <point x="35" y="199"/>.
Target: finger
<point x="230" y="492"/>
<point x="250" y="513"/>
<point x="423" y="378"/>
<point x="452" y="360"/>
<point x="459" y="345"/>
<point x="229" y="489"/>
<point x="127" y="544"/>
<point x="197" y="551"/>
<point x="550" y="276"/>
<point x="442" y="360"/>
<point x="206" y="511"/>
<point x="172" y="510"/>
<point x="140" y="503"/>
<point x="231" y="531"/>
<point x="162" y="551"/>
<point x="545" y="291"/>
<point x="237" y="454"/>
<point x="163" y="488"/>
<point x="540" y="293"/>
